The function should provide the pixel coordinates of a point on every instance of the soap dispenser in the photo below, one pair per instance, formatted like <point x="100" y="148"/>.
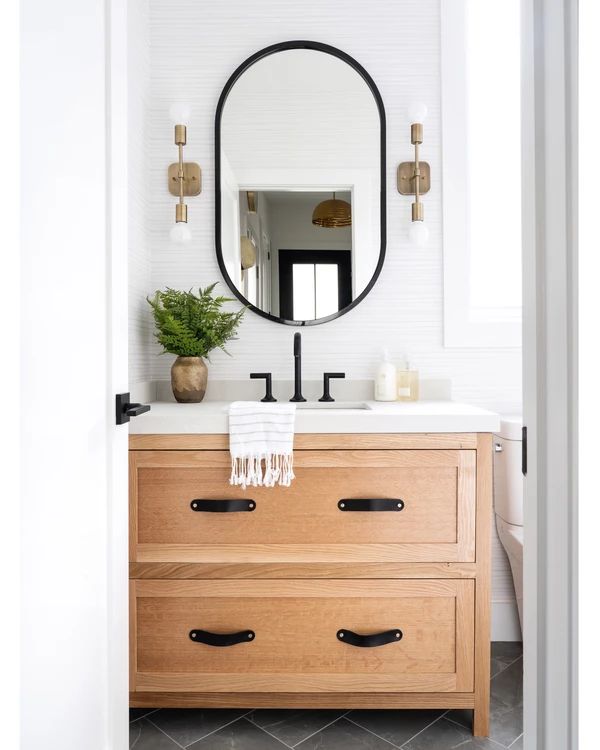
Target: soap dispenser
<point x="385" y="379"/>
<point x="407" y="383"/>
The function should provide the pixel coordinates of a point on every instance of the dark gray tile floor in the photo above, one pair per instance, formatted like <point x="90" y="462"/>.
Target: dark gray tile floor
<point x="260" y="729"/>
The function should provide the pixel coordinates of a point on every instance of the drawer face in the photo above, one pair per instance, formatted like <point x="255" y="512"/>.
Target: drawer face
<point x="295" y="646"/>
<point x="435" y="488"/>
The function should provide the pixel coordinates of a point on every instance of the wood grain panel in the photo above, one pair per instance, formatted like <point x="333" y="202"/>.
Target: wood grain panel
<point x="296" y="648"/>
<point x="467" y="500"/>
<point x="308" y="510"/>
<point x="349" y="458"/>
<point x="301" y="570"/>
<point x="132" y="635"/>
<point x="133" y="505"/>
<point x="297" y="553"/>
<point x="481" y="714"/>
<point x="287" y="581"/>
<point x="301" y="682"/>
<point x="291" y="588"/>
<point x="151" y="699"/>
<point x="436" y="523"/>
<point x="325" y="441"/>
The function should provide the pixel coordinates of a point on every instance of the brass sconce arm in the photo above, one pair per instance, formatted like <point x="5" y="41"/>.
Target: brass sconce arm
<point x="414" y="178"/>
<point x="416" y="137"/>
<point x="184" y="179"/>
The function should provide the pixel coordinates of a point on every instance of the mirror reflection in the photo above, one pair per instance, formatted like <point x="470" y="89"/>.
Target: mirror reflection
<point x="296" y="252"/>
<point x="300" y="183"/>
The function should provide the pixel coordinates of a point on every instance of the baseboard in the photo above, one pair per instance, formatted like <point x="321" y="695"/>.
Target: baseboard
<point x="505" y="621"/>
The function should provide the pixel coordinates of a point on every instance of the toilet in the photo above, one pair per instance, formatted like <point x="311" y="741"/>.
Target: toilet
<point x="508" y="498"/>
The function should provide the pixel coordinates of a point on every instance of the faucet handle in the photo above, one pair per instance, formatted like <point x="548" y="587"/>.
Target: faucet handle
<point x="326" y="378"/>
<point x="269" y="384"/>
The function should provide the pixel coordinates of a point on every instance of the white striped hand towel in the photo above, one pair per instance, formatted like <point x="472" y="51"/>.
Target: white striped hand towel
<point x="261" y="432"/>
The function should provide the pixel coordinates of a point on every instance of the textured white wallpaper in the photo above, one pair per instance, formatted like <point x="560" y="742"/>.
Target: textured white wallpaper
<point x="193" y="48"/>
<point x="141" y="352"/>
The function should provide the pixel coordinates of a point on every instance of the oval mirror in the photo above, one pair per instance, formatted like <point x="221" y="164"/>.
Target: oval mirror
<point x="300" y="183"/>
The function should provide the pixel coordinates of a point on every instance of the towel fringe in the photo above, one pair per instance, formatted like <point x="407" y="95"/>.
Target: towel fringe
<point x="248" y="471"/>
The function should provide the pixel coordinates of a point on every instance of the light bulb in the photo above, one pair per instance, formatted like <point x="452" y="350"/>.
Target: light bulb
<point x="417" y="111"/>
<point x="180" y="112"/>
<point x="180" y="233"/>
<point x="418" y="233"/>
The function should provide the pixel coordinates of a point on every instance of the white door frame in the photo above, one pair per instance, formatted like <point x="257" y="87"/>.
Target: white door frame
<point x="549" y="363"/>
<point x="117" y="253"/>
<point x="549" y="349"/>
<point x="74" y="665"/>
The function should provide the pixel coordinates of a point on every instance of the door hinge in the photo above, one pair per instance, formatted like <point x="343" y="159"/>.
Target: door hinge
<point x="524" y="451"/>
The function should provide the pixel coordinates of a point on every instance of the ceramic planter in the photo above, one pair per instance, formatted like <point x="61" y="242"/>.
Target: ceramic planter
<point x="188" y="379"/>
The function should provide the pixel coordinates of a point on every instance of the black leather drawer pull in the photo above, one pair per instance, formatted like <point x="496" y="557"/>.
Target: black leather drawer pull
<point x="369" y="641"/>
<point x="222" y="506"/>
<point x="369" y="504"/>
<point x="221" y="639"/>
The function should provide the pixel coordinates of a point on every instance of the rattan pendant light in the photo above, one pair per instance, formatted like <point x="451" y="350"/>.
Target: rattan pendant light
<point x="332" y="213"/>
<point x="247" y="252"/>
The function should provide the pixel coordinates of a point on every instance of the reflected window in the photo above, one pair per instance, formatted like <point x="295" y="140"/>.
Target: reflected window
<point x="315" y="290"/>
<point x="314" y="283"/>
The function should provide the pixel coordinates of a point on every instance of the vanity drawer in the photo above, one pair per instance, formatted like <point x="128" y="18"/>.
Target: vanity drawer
<point x="290" y="639"/>
<point x="367" y="505"/>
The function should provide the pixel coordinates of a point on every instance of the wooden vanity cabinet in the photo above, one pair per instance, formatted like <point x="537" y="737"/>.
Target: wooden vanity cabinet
<point x="364" y="584"/>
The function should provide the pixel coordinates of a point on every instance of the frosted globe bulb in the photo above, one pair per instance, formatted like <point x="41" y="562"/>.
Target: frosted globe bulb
<point x="180" y="112"/>
<point x="417" y="111"/>
<point x="418" y="233"/>
<point x="180" y="233"/>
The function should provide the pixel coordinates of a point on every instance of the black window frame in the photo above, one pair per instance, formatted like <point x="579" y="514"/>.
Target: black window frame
<point x="289" y="258"/>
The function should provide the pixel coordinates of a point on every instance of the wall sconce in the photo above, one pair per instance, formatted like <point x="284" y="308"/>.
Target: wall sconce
<point x="247" y="252"/>
<point x="184" y="178"/>
<point x="414" y="177"/>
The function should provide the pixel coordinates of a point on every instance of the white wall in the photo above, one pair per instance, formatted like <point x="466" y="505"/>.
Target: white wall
<point x="194" y="47"/>
<point x="292" y="227"/>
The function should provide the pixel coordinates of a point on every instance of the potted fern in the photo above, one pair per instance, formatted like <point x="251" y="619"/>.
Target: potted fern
<point x="191" y="326"/>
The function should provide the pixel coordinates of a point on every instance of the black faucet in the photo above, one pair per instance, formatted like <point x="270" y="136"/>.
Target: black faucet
<point x="297" y="369"/>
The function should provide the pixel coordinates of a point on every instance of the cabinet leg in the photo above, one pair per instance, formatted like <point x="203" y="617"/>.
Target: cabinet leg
<point x="481" y="720"/>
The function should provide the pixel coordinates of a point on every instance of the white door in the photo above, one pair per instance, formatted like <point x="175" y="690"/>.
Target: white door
<point x="549" y="372"/>
<point x="74" y="255"/>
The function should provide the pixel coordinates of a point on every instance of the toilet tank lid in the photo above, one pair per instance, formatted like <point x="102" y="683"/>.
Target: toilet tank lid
<point x="511" y="427"/>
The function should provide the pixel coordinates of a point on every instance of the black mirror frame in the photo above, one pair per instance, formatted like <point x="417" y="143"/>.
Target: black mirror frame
<point x="272" y="49"/>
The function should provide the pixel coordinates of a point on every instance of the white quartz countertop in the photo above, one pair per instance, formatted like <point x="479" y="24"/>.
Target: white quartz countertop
<point x="211" y="417"/>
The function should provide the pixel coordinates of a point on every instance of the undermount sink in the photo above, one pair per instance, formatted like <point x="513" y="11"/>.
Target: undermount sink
<point x="320" y="405"/>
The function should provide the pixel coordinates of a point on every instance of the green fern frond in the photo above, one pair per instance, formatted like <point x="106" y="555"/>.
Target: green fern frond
<point x="191" y="325"/>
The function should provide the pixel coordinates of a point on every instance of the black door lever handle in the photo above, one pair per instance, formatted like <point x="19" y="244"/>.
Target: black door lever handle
<point x="124" y="410"/>
<point x="134" y="410"/>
